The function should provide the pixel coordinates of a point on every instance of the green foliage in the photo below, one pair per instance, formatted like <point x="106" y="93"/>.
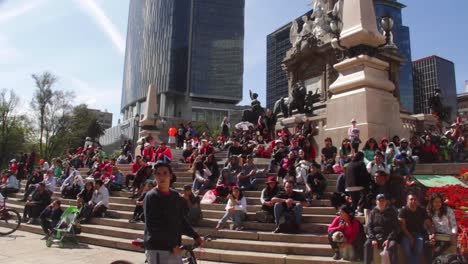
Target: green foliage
<point x="14" y="128"/>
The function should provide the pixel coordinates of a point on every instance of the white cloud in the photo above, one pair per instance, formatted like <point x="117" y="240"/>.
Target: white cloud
<point x="14" y="12"/>
<point x="92" y="9"/>
<point x="8" y="53"/>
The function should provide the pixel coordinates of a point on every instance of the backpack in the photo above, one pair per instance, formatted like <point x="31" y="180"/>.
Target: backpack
<point x="264" y="217"/>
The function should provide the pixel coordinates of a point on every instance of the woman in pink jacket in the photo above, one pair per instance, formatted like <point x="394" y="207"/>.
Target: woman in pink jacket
<point x="351" y="230"/>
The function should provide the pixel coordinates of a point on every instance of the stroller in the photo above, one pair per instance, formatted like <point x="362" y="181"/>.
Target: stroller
<point x="65" y="228"/>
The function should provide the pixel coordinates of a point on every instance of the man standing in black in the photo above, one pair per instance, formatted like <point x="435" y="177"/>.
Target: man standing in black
<point x="165" y="220"/>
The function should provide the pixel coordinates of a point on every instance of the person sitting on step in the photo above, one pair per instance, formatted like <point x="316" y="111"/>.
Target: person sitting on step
<point x="201" y="181"/>
<point x="11" y="184"/>
<point x="346" y="230"/>
<point x="50" y="217"/>
<point x="99" y="202"/>
<point x="383" y="229"/>
<point x="236" y="209"/>
<point x="316" y="183"/>
<point x="39" y="200"/>
<point x="288" y="203"/>
<point x="194" y="212"/>
<point x="271" y="190"/>
<point x="85" y="195"/>
<point x="49" y="183"/>
<point x="247" y="178"/>
<point x="138" y="215"/>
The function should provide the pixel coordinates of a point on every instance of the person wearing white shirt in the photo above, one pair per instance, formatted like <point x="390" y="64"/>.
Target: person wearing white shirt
<point x="100" y="200"/>
<point x="236" y="209"/>
<point x="11" y="185"/>
<point x="377" y="164"/>
<point x="445" y="226"/>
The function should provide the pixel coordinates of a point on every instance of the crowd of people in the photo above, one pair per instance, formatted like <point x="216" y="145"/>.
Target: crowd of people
<point x="374" y="176"/>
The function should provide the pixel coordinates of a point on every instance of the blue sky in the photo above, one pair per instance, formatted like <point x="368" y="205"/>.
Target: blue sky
<point x="83" y="43"/>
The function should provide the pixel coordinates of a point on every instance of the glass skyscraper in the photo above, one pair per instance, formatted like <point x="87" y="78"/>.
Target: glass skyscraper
<point x="433" y="73"/>
<point x="189" y="49"/>
<point x="278" y="44"/>
<point x="401" y="37"/>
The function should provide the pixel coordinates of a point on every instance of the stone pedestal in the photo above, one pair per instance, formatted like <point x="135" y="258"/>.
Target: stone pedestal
<point x="363" y="91"/>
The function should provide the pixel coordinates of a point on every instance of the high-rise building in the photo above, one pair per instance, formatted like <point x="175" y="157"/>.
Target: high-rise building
<point x="401" y="37"/>
<point x="103" y="118"/>
<point x="192" y="51"/>
<point x="466" y="86"/>
<point x="432" y="73"/>
<point x="278" y="44"/>
<point x="462" y="107"/>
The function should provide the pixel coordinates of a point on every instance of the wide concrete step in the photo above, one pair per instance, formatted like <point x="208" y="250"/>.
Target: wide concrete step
<point x="112" y="199"/>
<point x="224" y="243"/>
<point x="306" y="218"/>
<point x="317" y="238"/>
<point x="255" y="208"/>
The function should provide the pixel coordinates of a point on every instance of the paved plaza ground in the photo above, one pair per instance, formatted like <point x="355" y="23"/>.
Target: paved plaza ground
<point x="23" y="247"/>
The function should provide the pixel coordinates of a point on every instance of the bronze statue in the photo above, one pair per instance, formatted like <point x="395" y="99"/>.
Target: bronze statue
<point x="310" y="100"/>
<point x="251" y="115"/>
<point x="280" y="107"/>
<point x="297" y="99"/>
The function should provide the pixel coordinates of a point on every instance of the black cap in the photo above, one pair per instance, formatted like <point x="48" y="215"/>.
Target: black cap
<point x="381" y="196"/>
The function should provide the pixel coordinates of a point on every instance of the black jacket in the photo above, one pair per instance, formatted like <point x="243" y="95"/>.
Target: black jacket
<point x="165" y="220"/>
<point x="383" y="225"/>
<point x="356" y="174"/>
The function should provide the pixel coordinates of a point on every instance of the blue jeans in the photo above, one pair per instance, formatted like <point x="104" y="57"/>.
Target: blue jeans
<point x="162" y="257"/>
<point x="237" y="217"/>
<point x="280" y="209"/>
<point x="199" y="186"/>
<point x="249" y="184"/>
<point x="413" y="254"/>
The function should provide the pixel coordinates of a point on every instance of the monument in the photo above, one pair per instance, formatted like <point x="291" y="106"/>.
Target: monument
<point x="352" y="67"/>
<point x="149" y="122"/>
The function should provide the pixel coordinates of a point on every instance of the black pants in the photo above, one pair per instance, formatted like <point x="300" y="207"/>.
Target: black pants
<point x="128" y="178"/>
<point x="358" y="199"/>
<point x="33" y="211"/>
<point x="6" y="190"/>
<point x="369" y="251"/>
<point x="138" y="212"/>
<point x="180" y="141"/>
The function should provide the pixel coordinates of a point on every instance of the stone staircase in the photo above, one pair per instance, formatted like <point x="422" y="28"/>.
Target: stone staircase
<point x="255" y="244"/>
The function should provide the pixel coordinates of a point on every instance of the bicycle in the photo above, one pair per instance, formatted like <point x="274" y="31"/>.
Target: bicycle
<point x="10" y="219"/>
<point x="189" y="258"/>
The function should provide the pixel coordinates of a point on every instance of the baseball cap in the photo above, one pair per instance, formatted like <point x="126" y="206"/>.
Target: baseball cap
<point x="380" y="196"/>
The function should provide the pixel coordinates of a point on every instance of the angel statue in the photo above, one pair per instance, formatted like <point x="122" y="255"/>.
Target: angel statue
<point x="294" y="36"/>
<point x="256" y="106"/>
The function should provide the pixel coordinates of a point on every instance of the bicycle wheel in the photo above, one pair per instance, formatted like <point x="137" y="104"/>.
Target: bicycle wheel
<point x="10" y="221"/>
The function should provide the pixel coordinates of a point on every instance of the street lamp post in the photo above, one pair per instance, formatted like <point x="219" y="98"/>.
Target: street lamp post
<point x="136" y="122"/>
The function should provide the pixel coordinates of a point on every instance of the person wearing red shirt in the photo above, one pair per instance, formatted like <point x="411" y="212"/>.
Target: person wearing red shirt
<point x="110" y="165"/>
<point x="352" y="232"/>
<point x="14" y="166"/>
<point x="135" y="167"/>
<point x="206" y="148"/>
<point x="148" y="152"/>
<point x="163" y="153"/>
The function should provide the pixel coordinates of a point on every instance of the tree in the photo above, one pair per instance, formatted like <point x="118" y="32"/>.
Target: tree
<point x="42" y="99"/>
<point x="13" y="127"/>
<point x="57" y="121"/>
<point x="95" y="129"/>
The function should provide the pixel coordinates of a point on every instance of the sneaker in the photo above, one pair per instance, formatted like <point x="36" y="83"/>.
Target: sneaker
<point x="359" y="213"/>
<point x="336" y="256"/>
<point x="132" y="221"/>
<point x="218" y="226"/>
<point x="277" y="230"/>
<point x="240" y="228"/>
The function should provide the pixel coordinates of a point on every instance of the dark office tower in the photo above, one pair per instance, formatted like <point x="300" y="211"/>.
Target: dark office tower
<point x="278" y="44"/>
<point x="191" y="50"/>
<point x="401" y="37"/>
<point x="433" y="73"/>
